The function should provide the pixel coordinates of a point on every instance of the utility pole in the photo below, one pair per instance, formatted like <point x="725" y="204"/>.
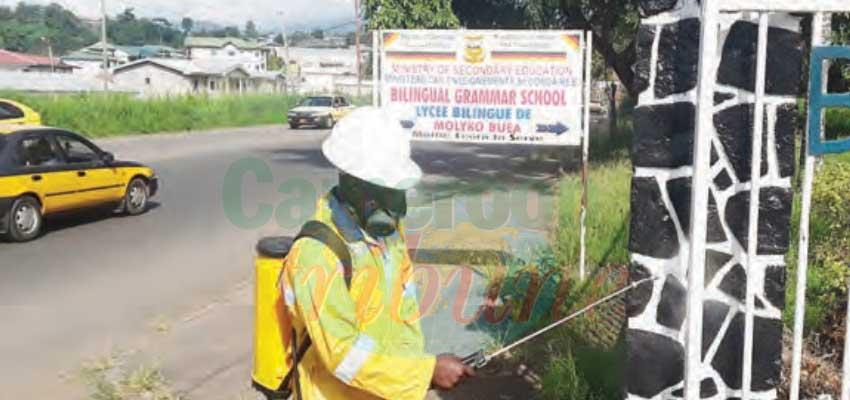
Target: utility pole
<point x="286" y="53"/>
<point x="357" y="45"/>
<point x="46" y="40"/>
<point x="104" y="54"/>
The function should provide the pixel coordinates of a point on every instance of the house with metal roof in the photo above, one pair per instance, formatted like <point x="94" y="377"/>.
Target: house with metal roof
<point x="249" y="54"/>
<point x="13" y="61"/>
<point x="153" y="77"/>
<point x="89" y="60"/>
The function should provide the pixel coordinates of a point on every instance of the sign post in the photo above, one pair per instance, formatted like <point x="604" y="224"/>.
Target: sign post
<point x="585" y="150"/>
<point x="492" y="86"/>
<point x="512" y="87"/>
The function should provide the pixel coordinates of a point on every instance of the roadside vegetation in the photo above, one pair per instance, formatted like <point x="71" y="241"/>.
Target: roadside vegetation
<point x="829" y="251"/>
<point x="573" y="358"/>
<point x="609" y="183"/>
<point x="107" y="378"/>
<point x="588" y="351"/>
<point x="104" y="115"/>
<point x="582" y="357"/>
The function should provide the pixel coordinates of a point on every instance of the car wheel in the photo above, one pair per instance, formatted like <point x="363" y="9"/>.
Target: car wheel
<point x="25" y="219"/>
<point x="136" y="197"/>
<point x="293" y="125"/>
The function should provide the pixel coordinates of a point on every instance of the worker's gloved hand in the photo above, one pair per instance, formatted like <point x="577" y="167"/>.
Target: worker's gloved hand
<point x="449" y="372"/>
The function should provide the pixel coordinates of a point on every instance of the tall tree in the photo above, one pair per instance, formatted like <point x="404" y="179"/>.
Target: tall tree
<point x="503" y="14"/>
<point x="251" y="30"/>
<point x="127" y="16"/>
<point x="134" y="31"/>
<point x="23" y="27"/>
<point x="614" y="23"/>
<point x="187" y="24"/>
<point x="407" y="14"/>
<point x="231" y="31"/>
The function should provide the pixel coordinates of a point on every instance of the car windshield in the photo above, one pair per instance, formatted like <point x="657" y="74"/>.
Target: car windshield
<point x="316" y="102"/>
<point x="2" y="143"/>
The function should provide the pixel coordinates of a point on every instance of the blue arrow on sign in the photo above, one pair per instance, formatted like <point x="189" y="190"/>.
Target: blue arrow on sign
<point x="557" y="129"/>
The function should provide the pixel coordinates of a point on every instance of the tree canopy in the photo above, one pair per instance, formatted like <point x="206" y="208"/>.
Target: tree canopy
<point x="127" y="29"/>
<point x="251" y="30"/>
<point x="614" y="23"/>
<point x="28" y="28"/>
<point x="406" y="14"/>
<point x="22" y="29"/>
<point x="839" y="79"/>
<point x="187" y="24"/>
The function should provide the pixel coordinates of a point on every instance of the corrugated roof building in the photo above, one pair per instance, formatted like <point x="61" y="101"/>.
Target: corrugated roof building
<point x="166" y="77"/>
<point x="12" y="61"/>
<point x="249" y="54"/>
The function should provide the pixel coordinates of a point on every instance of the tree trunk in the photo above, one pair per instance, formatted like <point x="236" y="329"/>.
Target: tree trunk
<point x="612" y="110"/>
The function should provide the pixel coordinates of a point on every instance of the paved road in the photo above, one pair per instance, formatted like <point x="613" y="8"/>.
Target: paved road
<point x="95" y="284"/>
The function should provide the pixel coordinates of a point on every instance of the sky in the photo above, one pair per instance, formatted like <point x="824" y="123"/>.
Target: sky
<point x="296" y="14"/>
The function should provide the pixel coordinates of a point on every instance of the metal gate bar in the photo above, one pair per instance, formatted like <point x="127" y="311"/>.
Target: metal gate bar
<point x="699" y="197"/>
<point x="803" y="258"/>
<point x="755" y="190"/>
<point x="711" y="10"/>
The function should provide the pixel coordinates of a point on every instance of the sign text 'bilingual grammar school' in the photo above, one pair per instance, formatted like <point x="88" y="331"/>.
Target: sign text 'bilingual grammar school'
<point x="520" y="87"/>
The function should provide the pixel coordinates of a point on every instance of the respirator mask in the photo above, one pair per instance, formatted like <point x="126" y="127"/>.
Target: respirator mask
<point x="378" y="209"/>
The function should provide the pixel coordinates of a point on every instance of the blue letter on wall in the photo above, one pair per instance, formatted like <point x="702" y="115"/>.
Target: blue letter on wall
<point x="819" y="101"/>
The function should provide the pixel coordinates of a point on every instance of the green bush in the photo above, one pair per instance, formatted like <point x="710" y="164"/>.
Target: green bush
<point x="829" y="248"/>
<point x="837" y="123"/>
<point x="100" y="115"/>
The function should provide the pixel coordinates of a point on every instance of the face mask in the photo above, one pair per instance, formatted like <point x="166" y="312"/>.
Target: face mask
<point x="380" y="223"/>
<point x="379" y="209"/>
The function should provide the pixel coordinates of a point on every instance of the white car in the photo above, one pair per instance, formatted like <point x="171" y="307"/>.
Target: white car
<point x="319" y="111"/>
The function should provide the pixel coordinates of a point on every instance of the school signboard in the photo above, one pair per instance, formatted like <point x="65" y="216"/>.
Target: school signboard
<point x="517" y="87"/>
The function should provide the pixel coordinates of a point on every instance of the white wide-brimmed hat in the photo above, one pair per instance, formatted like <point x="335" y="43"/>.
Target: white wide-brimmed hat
<point x="370" y="144"/>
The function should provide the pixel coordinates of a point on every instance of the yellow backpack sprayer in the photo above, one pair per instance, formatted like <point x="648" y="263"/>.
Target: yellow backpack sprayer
<point x="276" y="355"/>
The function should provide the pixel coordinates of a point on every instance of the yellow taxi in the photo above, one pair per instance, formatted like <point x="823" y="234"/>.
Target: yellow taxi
<point x="45" y="171"/>
<point x="320" y="111"/>
<point x="14" y="113"/>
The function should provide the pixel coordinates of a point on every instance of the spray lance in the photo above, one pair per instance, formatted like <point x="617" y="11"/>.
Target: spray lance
<point x="480" y="358"/>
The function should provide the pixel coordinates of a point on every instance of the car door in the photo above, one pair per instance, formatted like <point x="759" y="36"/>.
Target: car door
<point x="344" y="107"/>
<point x="40" y="164"/>
<point x="338" y="111"/>
<point x="98" y="182"/>
<point x="335" y="108"/>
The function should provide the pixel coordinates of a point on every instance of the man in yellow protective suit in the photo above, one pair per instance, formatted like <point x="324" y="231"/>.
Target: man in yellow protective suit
<point x="366" y="340"/>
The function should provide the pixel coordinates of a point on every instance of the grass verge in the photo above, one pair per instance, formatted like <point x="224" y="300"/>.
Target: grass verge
<point x="609" y="185"/>
<point x="104" y="115"/>
<point x="583" y="358"/>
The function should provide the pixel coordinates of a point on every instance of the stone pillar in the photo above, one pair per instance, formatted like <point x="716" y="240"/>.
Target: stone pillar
<point x="666" y="76"/>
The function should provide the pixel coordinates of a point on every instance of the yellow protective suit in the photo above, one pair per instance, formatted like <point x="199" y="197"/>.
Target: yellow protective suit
<point x="367" y="344"/>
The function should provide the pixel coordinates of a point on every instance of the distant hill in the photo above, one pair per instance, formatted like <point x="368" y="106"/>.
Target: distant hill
<point x="29" y="28"/>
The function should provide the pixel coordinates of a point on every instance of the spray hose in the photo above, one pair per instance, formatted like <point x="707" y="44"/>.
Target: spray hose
<point x="480" y="358"/>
